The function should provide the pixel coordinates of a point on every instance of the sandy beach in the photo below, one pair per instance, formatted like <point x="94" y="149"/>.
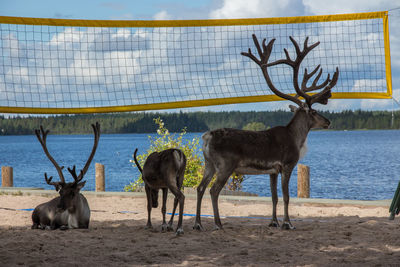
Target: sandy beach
<point x="325" y="235"/>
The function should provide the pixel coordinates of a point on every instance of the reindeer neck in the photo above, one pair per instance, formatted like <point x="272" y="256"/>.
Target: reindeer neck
<point x="299" y="127"/>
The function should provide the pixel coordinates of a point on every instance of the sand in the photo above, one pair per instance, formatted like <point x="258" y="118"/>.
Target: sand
<point x="325" y="235"/>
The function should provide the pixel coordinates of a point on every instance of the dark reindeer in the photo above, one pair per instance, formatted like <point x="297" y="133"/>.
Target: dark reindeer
<point x="274" y="151"/>
<point x="70" y="209"/>
<point x="164" y="170"/>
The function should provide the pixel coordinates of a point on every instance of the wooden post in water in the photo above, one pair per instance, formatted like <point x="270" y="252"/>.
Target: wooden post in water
<point x="100" y="178"/>
<point x="6" y="176"/>
<point x="303" y="181"/>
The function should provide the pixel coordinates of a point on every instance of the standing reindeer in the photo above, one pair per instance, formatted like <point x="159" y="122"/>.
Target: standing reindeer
<point x="273" y="151"/>
<point x="164" y="170"/>
<point x="70" y="209"/>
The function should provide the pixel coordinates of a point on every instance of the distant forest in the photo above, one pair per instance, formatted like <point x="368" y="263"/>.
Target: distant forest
<point x="142" y="122"/>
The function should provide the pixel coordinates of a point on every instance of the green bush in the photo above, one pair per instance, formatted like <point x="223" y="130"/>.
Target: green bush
<point x="255" y="126"/>
<point x="164" y="140"/>
<point x="191" y="148"/>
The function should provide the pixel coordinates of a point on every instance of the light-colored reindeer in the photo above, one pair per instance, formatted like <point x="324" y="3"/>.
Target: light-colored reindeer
<point x="70" y="209"/>
<point x="274" y="151"/>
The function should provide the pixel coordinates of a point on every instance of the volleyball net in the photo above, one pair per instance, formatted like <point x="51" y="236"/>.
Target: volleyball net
<point x="64" y="66"/>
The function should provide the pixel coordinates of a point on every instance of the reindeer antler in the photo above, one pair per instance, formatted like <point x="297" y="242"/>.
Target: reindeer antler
<point x="96" y="132"/>
<point x="78" y="178"/>
<point x="264" y="53"/>
<point x="41" y="136"/>
<point x="73" y="173"/>
<point x="49" y="182"/>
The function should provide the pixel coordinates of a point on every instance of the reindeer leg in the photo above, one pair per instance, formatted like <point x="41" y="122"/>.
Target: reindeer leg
<point x="53" y="224"/>
<point x="149" y="206"/>
<point x="174" y="184"/>
<point x="286" y="225"/>
<point x="273" y="184"/>
<point x="164" y="226"/>
<point x="209" y="171"/>
<point x="179" y="197"/>
<point x="171" y="220"/>
<point x="222" y="178"/>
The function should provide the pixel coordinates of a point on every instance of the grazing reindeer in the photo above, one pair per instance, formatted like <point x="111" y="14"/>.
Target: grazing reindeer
<point x="70" y="209"/>
<point x="164" y="170"/>
<point x="273" y="151"/>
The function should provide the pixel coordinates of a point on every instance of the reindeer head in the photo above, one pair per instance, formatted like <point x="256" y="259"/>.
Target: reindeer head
<point x="315" y="120"/>
<point x="67" y="191"/>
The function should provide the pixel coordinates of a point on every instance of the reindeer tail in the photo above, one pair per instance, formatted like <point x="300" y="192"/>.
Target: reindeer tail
<point x="136" y="161"/>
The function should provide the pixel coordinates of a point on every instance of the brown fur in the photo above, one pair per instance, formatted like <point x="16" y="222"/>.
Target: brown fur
<point x="164" y="170"/>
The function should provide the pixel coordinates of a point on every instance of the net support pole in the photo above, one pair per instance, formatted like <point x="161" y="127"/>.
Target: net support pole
<point x="6" y="176"/>
<point x="303" y="181"/>
<point x="100" y="178"/>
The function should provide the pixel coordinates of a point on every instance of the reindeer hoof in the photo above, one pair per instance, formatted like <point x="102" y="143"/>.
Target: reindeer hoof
<point x="148" y="227"/>
<point x="274" y="224"/>
<point x="164" y="228"/>
<point x="198" y="226"/>
<point x="179" y="232"/>
<point x="170" y="228"/>
<point x="63" y="227"/>
<point x="287" y="226"/>
<point x="217" y="227"/>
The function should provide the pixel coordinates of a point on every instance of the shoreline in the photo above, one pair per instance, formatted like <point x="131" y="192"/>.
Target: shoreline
<point x="232" y="195"/>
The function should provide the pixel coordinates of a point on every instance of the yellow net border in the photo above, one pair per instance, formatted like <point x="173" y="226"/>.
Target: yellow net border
<point x="198" y="23"/>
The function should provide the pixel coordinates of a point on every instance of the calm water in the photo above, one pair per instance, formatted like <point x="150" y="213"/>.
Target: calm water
<point x="344" y="164"/>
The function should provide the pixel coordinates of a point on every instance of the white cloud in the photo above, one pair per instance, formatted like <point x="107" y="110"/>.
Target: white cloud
<point x="374" y="104"/>
<point x="231" y="9"/>
<point x="12" y="46"/>
<point x="269" y="8"/>
<point x="363" y="84"/>
<point x="113" y="64"/>
<point x="318" y="7"/>
<point x="133" y="61"/>
<point x="162" y="15"/>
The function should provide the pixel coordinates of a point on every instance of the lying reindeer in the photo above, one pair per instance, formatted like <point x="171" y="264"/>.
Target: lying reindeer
<point x="164" y="170"/>
<point x="70" y="209"/>
<point x="274" y="151"/>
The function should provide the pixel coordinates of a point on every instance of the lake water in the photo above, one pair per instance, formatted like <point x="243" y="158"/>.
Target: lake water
<point x="344" y="164"/>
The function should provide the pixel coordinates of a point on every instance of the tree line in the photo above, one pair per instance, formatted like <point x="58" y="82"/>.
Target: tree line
<point x="142" y="122"/>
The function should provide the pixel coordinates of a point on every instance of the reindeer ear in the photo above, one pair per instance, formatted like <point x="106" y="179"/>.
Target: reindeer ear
<point x="58" y="187"/>
<point x="81" y="185"/>
<point x="293" y="108"/>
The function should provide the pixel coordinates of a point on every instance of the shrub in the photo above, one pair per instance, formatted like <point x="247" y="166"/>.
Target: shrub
<point x="255" y="126"/>
<point x="164" y="140"/>
<point x="191" y="148"/>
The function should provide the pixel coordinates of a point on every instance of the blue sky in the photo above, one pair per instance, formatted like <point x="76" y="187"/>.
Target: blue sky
<point x="93" y="9"/>
<point x="184" y="9"/>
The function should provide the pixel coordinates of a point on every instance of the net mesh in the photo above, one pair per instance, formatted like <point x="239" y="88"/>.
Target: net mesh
<point x="67" y="67"/>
